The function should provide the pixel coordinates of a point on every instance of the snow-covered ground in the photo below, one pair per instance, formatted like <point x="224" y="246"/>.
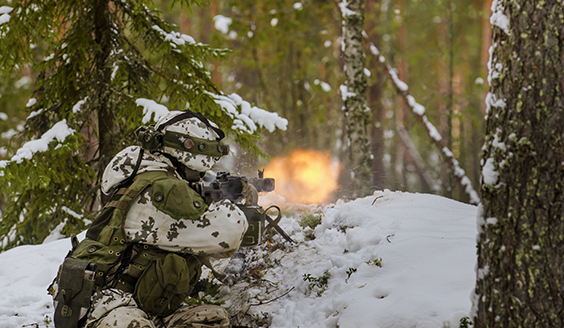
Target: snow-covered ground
<point x="390" y="260"/>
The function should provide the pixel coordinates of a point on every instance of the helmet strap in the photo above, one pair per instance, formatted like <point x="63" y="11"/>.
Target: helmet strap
<point x="185" y="172"/>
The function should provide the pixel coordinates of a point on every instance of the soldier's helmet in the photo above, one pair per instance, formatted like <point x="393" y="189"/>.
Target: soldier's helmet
<point x="189" y="137"/>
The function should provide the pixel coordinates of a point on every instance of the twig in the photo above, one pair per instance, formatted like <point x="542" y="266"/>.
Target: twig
<point x="274" y="299"/>
<point x="375" y="199"/>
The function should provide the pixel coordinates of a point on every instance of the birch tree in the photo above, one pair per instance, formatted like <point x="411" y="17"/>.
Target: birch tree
<point x="357" y="113"/>
<point x="520" y="271"/>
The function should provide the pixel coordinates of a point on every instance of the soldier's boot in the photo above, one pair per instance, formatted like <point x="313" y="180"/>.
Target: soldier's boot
<point x="200" y="316"/>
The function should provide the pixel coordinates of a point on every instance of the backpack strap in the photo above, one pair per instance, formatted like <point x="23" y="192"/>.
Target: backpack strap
<point x="117" y="201"/>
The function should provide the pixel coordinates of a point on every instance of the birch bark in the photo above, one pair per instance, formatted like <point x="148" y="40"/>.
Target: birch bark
<point x="357" y="113"/>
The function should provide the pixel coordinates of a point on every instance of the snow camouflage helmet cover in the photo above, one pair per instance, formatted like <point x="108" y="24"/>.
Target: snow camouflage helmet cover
<point x="123" y="164"/>
<point x="194" y="127"/>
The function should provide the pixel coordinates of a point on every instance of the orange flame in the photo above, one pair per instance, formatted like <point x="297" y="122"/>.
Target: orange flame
<point x="304" y="176"/>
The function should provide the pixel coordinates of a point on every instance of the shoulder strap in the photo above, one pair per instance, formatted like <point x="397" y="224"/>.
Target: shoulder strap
<point x="104" y="217"/>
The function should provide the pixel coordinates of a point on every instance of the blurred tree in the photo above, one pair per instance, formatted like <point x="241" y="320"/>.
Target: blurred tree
<point x="285" y="58"/>
<point x="353" y="91"/>
<point x="373" y="29"/>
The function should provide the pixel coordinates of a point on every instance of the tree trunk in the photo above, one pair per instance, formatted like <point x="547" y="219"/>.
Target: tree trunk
<point x="375" y="98"/>
<point x="447" y="176"/>
<point x="520" y="272"/>
<point x="357" y="113"/>
<point x="106" y="113"/>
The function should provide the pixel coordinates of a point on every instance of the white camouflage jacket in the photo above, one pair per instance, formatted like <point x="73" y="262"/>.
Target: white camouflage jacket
<point x="218" y="232"/>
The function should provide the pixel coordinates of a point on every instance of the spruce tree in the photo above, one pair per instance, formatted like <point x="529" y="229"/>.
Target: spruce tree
<point x="102" y="68"/>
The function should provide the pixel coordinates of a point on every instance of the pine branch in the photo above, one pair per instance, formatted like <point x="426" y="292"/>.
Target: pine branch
<point x="419" y="111"/>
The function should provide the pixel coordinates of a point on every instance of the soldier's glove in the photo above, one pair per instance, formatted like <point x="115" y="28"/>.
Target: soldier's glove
<point x="250" y="194"/>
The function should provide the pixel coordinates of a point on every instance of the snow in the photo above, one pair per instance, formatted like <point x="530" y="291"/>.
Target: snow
<point x="77" y="107"/>
<point x="395" y="260"/>
<point x="493" y="101"/>
<point x="498" y="18"/>
<point x="496" y="143"/>
<point x="31" y="102"/>
<point x="246" y="120"/>
<point x="345" y="94"/>
<point x="222" y="23"/>
<point x="345" y="10"/>
<point x="417" y="108"/>
<point x="151" y="107"/>
<point x="34" y="113"/>
<point x="489" y="173"/>
<point x="427" y="252"/>
<point x="6" y="10"/>
<point x="274" y="22"/>
<point x="433" y="132"/>
<point x="400" y="84"/>
<point x="58" y="132"/>
<point x="176" y="37"/>
<point x="324" y="85"/>
<point x="246" y="117"/>
<point x="24" y="282"/>
<point x="4" y="14"/>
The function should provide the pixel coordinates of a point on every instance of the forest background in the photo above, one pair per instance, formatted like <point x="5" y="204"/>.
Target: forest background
<point x="286" y="57"/>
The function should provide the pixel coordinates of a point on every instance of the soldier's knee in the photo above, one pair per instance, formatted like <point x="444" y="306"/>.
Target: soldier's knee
<point x="123" y="317"/>
<point x="205" y="316"/>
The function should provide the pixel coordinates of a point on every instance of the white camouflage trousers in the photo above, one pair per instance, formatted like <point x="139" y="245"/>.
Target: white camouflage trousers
<point x="114" y="308"/>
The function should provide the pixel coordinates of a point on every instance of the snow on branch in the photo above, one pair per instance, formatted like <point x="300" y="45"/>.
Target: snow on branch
<point x="419" y="111"/>
<point x="246" y="117"/>
<point x="59" y="132"/>
<point x="4" y="14"/>
<point x="175" y="38"/>
<point x="151" y="107"/>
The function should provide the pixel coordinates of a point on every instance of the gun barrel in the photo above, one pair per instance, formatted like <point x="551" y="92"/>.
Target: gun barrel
<point x="263" y="184"/>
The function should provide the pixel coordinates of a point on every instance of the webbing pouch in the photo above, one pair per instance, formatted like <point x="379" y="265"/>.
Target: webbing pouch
<point x="74" y="290"/>
<point x="165" y="284"/>
<point x="175" y="198"/>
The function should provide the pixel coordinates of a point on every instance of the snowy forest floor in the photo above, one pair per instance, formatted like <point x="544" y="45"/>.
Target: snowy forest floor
<point x="393" y="259"/>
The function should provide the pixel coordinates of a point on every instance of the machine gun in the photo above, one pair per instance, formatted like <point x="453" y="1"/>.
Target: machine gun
<point x="239" y="188"/>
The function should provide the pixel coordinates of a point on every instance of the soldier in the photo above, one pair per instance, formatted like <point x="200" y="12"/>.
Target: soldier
<point x="143" y="254"/>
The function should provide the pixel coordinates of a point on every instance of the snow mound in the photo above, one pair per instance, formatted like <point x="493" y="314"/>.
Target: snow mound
<point x="389" y="260"/>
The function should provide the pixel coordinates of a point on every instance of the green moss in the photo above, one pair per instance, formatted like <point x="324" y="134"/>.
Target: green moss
<point x="317" y="284"/>
<point x="310" y="220"/>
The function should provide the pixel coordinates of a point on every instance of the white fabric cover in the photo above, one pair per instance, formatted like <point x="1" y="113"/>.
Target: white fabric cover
<point x="218" y="232"/>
